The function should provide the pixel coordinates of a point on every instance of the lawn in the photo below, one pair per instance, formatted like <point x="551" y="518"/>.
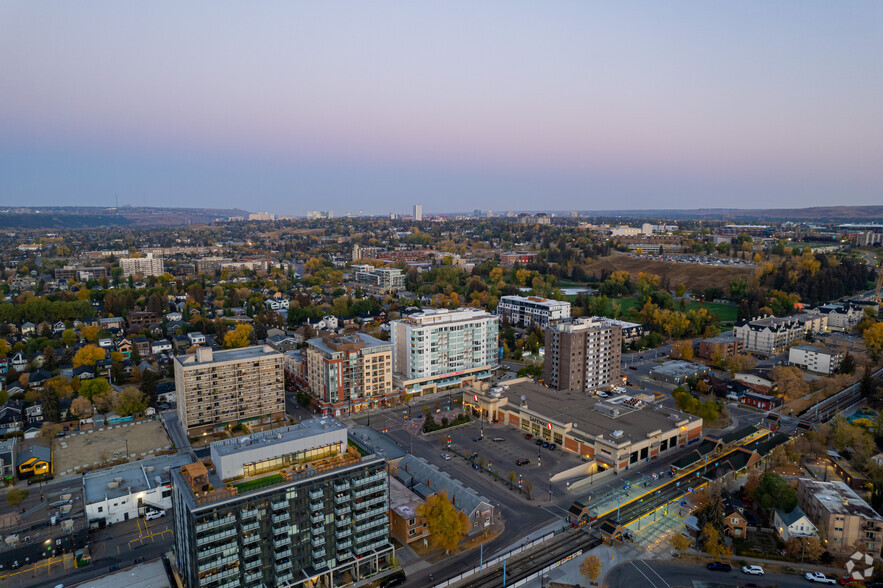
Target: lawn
<point x="258" y="483"/>
<point x="725" y="313"/>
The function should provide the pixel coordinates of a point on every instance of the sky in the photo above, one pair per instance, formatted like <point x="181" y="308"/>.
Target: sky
<point x="371" y="107"/>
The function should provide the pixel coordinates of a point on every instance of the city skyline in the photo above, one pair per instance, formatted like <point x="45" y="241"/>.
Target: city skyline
<point x="296" y="107"/>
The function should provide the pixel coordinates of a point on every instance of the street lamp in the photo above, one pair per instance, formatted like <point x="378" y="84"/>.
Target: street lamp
<point x="550" y="486"/>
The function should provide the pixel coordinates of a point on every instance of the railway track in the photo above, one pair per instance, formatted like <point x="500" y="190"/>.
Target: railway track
<point x="529" y="562"/>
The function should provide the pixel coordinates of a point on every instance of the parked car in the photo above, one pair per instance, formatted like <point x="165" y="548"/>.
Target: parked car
<point x="819" y="578"/>
<point x="446" y="456"/>
<point x="154" y="514"/>
<point x="539" y="441"/>
<point x="528" y="436"/>
<point x="719" y="566"/>
<point x="631" y="367"/>
<point x="552" y="447"/>
<point x="396" y="579"/>
<point x="522" y="462"/>
<point x="477" y="438"/>
<point x="498" y="439"/>
<point x="752" y="570"/>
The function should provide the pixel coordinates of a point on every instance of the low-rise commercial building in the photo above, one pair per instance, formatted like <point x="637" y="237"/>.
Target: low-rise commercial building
<point x="815" y="358"/>
<point x="309" y="510"/>
<point x="530" y="311"/>
<point x="725" y="344"/>
<point x="130" y="490"/>
<point x="615" y="432"/>
<point x="677" y="372"/>
<point x="517" y="257"/>
<point x="850" y="522"/>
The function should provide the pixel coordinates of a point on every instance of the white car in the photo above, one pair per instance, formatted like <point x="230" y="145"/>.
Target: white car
<point x="819" y="577"/>
<point x="446" y="456"/>
<point x="752" y="570"/>
<point x="602" y="394"/>
<point x="154" y="514"/>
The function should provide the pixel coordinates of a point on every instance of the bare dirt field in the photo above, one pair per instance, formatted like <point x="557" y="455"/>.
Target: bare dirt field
<point x="95" y="449"/>
<point x="693" y="276"/>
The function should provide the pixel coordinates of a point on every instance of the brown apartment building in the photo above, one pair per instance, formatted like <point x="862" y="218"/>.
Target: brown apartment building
<point x="583" y="354"/>
<point x="850" y="522"/>
<point x="217" y="389"/>
<point x="348" y="373"/>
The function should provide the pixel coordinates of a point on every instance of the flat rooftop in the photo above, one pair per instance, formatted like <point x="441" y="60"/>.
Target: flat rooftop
<point x="580" y="410"/>
<point x="401" y="500"/>
<point x="678" y="368"/>
<point x="304" y="430"/>
<point x="151" y="574"/>
<point x="368" y="340"/>
<point x="839" y="498"/>
<point x="132" y="477"/>
<point x="242" y="354"/>
<point x="535" y="301"/>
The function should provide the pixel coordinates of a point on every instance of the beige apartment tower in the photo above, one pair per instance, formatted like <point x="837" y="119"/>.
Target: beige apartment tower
<point x="218" y="389"/>
<point x="583" y="354"/>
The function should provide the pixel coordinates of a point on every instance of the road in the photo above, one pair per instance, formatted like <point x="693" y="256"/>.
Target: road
<point x="667" y="574"/>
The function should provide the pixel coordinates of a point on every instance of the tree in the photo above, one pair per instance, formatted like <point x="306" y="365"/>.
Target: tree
<point x="50" y="430"/>
<point x="446" y="524"/>
<point x="682" y="350"/>
<point x="15" y="496"/>
<point x="50" y="361"/>
<point x="69" y="337"/>
<point x="129" y="402"/>
<point x="713" y="545"/>
<point x="774" y="492"/>
<point x="90" y="333"/>
<point x="89" y="389"/>
<point x="238" y="337"/>
<point x="49" y="402"/>
<point x="89" y="355"/>
<point x="740" y="362"/>
<point x="81" y="407"/>
<point x="4" y="347"/>
<point x="810" y="548"/>
<point x="591" y="567"/>
<point x="790" y="382"/>
<point x="874" y="340"/>
<point x="680" y="290"/>
<point x="680" y="542"/>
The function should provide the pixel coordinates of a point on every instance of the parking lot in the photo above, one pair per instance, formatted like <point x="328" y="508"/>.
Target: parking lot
<point x="89" y="450"/>
<point x="503" y="454"/>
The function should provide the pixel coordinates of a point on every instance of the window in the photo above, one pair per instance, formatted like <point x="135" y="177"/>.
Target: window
<point x="100" y="509"/>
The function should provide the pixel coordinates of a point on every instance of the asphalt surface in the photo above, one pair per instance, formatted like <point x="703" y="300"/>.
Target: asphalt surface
<point x="667" y="574"/>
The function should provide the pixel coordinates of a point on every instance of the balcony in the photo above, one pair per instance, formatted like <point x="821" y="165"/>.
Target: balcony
<point x="281" y="541"/>
<point x="370" y="513"/>
<point x="316" y="495"/>
<point x="215" y="550"/>
<point x="251" y="539"/>
<point x="255" y="563"/>
<point x="370" y="501"/>
<point x="319" y="530"/>
<point x="369" y="536"/>
<point x="318" y="541"/>
<point x="341" y="533"/>
<point x="286" y="577"/>
<point x="247" y="553"/>
<point x="314" y="506"/>
<point x="342" y="522"/>
<point x="250" y="527"/>
<point x="343" y="555"/>
<point x="318" y="554"/>
<point x="370" y="546"/>
<point x="283" y="504"/>
<point x="216" y="537"/>
<point x="344" y="544"/>
<point x="279" y="518"/>
<point x="216" y="563"/>
<point x="342" y="487"/>
<point x="317" y="518"/>
<point x="342" y="499"/>
<point x="206" y="525"/>
<point x="367" y="491"/>
<point x="342" y="511"/>
<point x="373" y="478"/>
<point x="251" y="577"/>
<point x="281" y="567"/>
<point x="219" y="576"/>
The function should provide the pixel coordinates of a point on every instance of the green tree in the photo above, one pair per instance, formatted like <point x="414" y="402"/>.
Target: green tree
<point x="874" y="340"/>
<point x="69" y="337"/>
<point x="238" y="337"/>
<point x="89" y="389"/>
<point x="129" y="402"/>
<point x="773" y="491"/>
<point x="446" y="524"/>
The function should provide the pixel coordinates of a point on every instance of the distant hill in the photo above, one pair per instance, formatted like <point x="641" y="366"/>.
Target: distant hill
<point x="842" y="214"/>
<point x="83" y="217"/>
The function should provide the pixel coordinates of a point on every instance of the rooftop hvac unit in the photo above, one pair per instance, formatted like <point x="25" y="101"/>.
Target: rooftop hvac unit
<point x="149" y="469"/>
<point x="118" y="480"/>
<point x="65" y="497"/>
<point x="67" y="525"/>
<point x="616" y="434"/>
<point x="11" y="539"/>
<point x="112" y="484"/>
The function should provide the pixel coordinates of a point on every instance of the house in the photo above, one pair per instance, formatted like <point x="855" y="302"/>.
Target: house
<point x="58" y="328"/>
<point x="102" y="368"/>
<point x="124" y="346"/>
<point x="4" y="365"/>
<point x="196" y="338"/>
<point x="84" y="372"/>
<point x="32" y="431"/>
<point x="34" y="413"/>
<point x="284" y="343"/>
<point x="404" y="522"/>
<point x="19" y="361"/>
<point x="161" y="346"/>
<point x="759" y="380"/>
<point x="10" y="417"/>
<point x="174" y="316"/>
<point x="142" y="344"/>
<point x="113" y="323"/>
<point x="735" y="525"/>
<point x="165" y="392"/>
<point x="34" y="460"/>
<point x="28" y="328"/>
<point x="272" y="304"/>
<point x="182" y="343"/>
<point x="139" y="319"/>
<point x="37" y="379"/>
<point x="7" y="459"/>
<point x="793" y="524"/>
<point x="105" y="343"/>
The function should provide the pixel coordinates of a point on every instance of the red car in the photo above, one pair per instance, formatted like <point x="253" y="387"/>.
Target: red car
<point x="528" y="436"/>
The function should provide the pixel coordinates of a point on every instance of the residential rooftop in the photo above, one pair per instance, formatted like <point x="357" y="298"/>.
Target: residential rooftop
<point x="304" y="429"/>
<point x="839" y="498"/>
<point x="205" y="355"/>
